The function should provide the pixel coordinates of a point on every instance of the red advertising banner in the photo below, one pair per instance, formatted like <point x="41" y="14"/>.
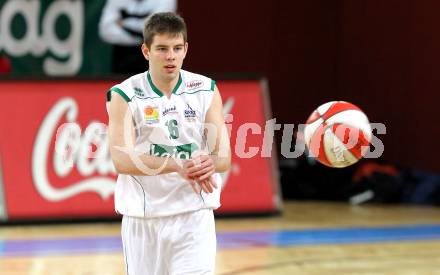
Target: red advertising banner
<point x="39" y="118"/>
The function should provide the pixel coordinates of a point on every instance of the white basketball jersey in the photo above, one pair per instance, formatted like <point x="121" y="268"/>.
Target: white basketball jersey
<point x="165" y="127"/>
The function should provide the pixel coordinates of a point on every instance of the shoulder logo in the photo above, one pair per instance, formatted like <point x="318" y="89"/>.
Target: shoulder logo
<point x="151" y="114"/>
<point x="194" y="84"/>
<point x="138" y="92"/>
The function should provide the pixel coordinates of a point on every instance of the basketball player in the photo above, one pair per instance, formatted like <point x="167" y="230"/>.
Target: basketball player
<point x="168" y="141"/>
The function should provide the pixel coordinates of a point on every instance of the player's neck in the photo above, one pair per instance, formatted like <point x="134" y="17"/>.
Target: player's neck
<point x="165" y="84"/>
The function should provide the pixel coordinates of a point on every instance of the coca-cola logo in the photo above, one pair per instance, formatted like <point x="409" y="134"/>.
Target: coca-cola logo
<point x="73" y="149"/>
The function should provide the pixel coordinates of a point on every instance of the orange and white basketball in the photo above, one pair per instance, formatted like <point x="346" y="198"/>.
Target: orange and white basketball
<point x="337" y="134"/>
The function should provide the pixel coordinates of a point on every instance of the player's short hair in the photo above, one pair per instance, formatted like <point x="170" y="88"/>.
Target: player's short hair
<point x="164" y="23"/>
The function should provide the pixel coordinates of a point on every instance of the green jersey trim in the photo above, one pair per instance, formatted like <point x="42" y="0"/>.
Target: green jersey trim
<point x="179" y="82"/>
<point x="159" y="92"/>
<point x="119" y="91"/>
<point x="212" y="85"/>
<point x="195" y="92"/>
<point x="143" y="191"/>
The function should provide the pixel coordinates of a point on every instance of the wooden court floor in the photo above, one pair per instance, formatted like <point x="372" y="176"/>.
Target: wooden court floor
<point x="308" y="238"/>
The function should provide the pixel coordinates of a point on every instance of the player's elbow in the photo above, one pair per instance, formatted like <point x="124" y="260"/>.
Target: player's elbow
<point x="120" y="167"/>
<point x="120" y="162"/>
<point x="223" y="164"/>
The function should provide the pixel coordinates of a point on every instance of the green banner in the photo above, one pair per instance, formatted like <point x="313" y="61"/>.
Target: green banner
<point x="53" y="38"/>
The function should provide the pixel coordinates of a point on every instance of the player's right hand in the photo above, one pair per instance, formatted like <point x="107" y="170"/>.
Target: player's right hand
<point x="198" y="173"/>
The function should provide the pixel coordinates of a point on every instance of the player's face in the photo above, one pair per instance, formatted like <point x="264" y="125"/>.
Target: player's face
<point x="166" y="55"/>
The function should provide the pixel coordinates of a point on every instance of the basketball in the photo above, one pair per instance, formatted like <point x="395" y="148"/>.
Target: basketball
<point x="337" y="134"/>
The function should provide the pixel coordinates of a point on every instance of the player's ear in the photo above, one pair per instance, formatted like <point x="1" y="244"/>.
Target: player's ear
<point x="186" y="48"/>
<point x="145" y="51"/>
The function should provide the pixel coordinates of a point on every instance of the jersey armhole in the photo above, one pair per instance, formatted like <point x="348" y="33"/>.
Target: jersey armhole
<point x="211" y="95"/>
<point x="212" y="85"/>
<point x="120" y="92"/>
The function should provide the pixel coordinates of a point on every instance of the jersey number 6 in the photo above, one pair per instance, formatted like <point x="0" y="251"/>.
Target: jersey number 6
<point x="172" y="128"/>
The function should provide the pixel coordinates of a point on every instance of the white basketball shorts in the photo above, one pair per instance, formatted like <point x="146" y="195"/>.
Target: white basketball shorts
<point x="180" y="244"/>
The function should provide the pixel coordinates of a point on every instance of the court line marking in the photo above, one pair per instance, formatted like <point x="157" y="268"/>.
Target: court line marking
<point x="231" y="240"/>
<point x="399" y="257"/>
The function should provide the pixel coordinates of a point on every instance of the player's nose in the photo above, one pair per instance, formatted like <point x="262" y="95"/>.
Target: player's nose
<point x="171" y="55"/>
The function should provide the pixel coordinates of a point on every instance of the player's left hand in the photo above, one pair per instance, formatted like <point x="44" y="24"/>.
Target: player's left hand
<point x="207" y="185"/>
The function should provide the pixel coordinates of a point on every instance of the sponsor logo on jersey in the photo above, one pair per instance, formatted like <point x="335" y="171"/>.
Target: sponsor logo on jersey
<point x="139" y="93"/>
<point x="171" y="110"/>
<point x="194" y="84"/>
<point x="151" y="114"/>
<point x="182" y="151"/>
<point x="190" y="113"/>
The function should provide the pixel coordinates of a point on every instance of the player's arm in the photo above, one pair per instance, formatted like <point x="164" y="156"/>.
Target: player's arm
<point x="219" y="142"/>
<point x="121" y="142"/>
<point x="219" y="159"/>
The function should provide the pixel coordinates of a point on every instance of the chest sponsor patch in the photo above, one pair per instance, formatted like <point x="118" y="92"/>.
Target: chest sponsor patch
<point x="151" y="114"/>
<point x="169" y="110"/>
<point x="192" y="85"/>
<point x="189" y="113"/>
<point x="181" y="151"/>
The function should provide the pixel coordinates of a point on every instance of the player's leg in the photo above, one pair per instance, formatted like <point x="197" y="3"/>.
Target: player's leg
<point x="142" y="248"/>
<point x="194" y="244"/>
